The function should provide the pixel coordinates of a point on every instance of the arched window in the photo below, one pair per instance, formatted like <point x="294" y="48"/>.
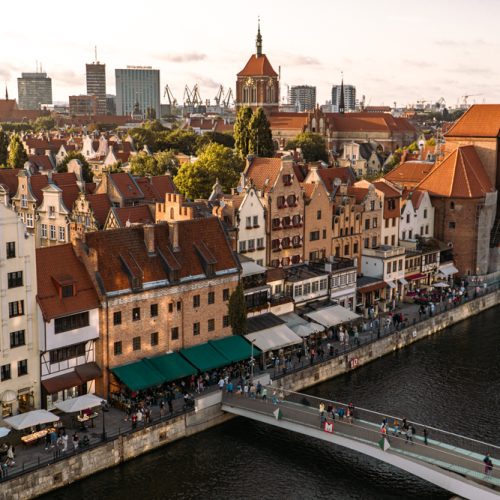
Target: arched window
<point x="246" y="94"/>
<point x="291" y="200"/>
<point x="172" y="213"/>
<point x="254" y="94"/>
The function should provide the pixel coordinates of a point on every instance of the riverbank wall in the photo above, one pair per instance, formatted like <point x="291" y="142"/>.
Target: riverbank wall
<point x="208" y="414"/>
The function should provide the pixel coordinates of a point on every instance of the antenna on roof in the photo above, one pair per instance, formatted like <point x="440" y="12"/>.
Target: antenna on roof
<point x="95" y="53"/>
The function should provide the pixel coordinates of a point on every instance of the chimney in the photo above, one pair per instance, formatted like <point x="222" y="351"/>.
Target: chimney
<point x="149" y="238"/>
<point x="173" y="234"/>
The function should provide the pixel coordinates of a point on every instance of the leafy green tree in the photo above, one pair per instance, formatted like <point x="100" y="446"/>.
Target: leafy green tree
<point x="154" y="126"/>
<point x="86" y="169"/>
<point x="312" y="145"/>
<point x="44" y="123"/>
<point x="144" y="164"/>
<point x="195" y="180"/>
<point x="166" y="161"/>
<point x="260" y="140"/>
<point x="4" y="145"/>
<point x="17" y="154"/>
<point x="179" y="140"/>
<point x="237" y="310"/>
<point x="217" y="137"/>
<point x="242" y="130"/>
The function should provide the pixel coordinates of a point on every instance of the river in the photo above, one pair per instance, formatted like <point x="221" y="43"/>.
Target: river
<point x="450" y="380"/>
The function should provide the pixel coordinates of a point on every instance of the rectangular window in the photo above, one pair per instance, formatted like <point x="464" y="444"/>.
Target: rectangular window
<point x="451" y="225"/>
<point x="393" y="240"/>
<point x="179" y="305"/>
<point x="16" y="308"/>
<point x="386" y="223"/>
<point x="136" y="343"/>
<point x="249" y="222"/>
<point x="17" y="338"/>
<point x="5" y="372"/>
<point x="22" y="367"/>
<point x="367" y="243"/>
<point x="211" y="297"/>
<point x="211" y="325"/>
<point x="154" y="339"/>
<point x="307" y="288"/>
<point x="374" y="241"/>
<point x="154" y="310"/>
<point x="367" y="223"/>
<point x="44" y="231"/>
<point x="117" y="348"/>
<point x="355" y="248"/>
<point x="372" y="205"/>
<point x="410" y="234"/>
<point x="394" y="222"/>
<point x="11" y="249"/>
<point x="225" y="321"/>
<point x="136" y="314"/>
<point x="323" y="283"/>
<point x="117" y="318"/>
<point x="260" y="243"/>
<point x="196" y="328"/>
<point x="29" y="220"/>
<point x="388" y="268"/>
<point x="375" y="222"/>
<point x="407" y="218"/>
<point x="403" y="236"/>
<point x="255" y="221"/>
<point x="171" y="307"/>
<point x="318" y="215"/>
<point x="425" y="213"/>
<point x="297" y="291"/>
<point x="314" y="236"/>
<point x="315" y="286"/>
<point x="24" y="201"/>
<point x="386" y="240"/>
<point x="400" y="265"/>
<point x="251" y="245"/>
<point x="62" y="233"/>
<point x="174" y="333"/>
<point x="243" y="246"/>
<point x="196" y="301"/>
<point x="52" y="212"/>
<point x="346" y="249"/>
<point x="52" y="232"/>
<point x="72" y="322"/>
<point x="225" y="294"/>
<point x="324" y="234"/>
<point x="65" y="353"/>
<point x="15" y="279"/>
<point x="67" y="291"/>
<point x="426" y="229"/>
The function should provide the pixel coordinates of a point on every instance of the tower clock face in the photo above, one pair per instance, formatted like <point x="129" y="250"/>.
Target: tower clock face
<point x="249" y="81"/>
<point x="270" y="82"/>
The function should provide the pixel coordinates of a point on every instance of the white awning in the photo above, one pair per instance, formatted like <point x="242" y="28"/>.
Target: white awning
<point x="331" y="316"/>
<point x="79" y="403"/>
<point x="447" y="269"/>
<point x="390" y="284"/>
<point x="403" y="281"/>
<point x="306" y="329"/>
<point x="30" y="419"/>
<point x="272" y="338"/>
<point x="250" y="267"/>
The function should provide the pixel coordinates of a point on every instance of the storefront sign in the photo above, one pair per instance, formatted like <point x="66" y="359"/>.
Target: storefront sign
<point x="328" y="427"/>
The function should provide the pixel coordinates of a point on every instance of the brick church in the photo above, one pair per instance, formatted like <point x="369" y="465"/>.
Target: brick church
<point x="257" y="84"/>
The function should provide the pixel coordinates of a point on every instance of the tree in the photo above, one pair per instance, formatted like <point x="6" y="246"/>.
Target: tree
<point x="179" y="140"/>
<point x="17" y="154"/>
<point x="144" y="164"/>
<point x="260" y="138"/>
<point x="217" y="137"/>
<point x="195" y="180"/>
<point x="4" y="145"/>
<point x="312" y="145"/>
<point x="86" y="169"/>
<point x="44" y="123"/>
<point x="242" y="130"/>
<point x="237" y="310"/>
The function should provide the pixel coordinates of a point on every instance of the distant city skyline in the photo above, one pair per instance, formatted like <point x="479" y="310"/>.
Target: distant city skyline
<point x="391" y="51"/>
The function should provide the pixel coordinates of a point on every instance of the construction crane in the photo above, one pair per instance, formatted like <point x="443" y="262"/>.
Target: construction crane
<point x="465" y="97"/>
<point x="195" y="96"/>
<point x="219" y="98"/>
<point x="187" y="98"/>
<point x="172" y="101"/>
<point x="228" y="98"/>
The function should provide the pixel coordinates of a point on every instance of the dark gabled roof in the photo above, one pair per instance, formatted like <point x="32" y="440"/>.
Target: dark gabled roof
<point x="263" y="321"/>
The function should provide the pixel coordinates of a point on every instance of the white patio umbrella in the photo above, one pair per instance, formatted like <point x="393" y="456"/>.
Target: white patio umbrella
<point x="79" y="403"/>
<point x="8" y="396"/>
<point x="440" y="284"/>
<point x="4" y="431"/>
<point x="30" y="419"/>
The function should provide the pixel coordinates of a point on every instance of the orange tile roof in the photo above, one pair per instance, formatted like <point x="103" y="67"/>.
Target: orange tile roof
<point x="388" y="190"/>
<point x="359" y="193"/>
<point x="163" y="184"/>
<point x="42" y="162"/>
<point x="409" y="173"/>
<point x="8" y="177"/>
<point x="126" y="185"/>
<point x="69" y="195"/>
<point x="60" y="264"/>
<point x="150" y="194"/>
<point x="480" y="120"/>
<point x="460" y="175"/>
<point x="197" y="238"/>
<point x="138" y="214"/>
<point x="416" y="198"/>
<point x="288" y="121"/>
<point x="327" y="175"/>
<point x="263" y="172"/>
<point x="100" y="205"/>
<point x="368" y="122"/>
<point x="258" y="66"/>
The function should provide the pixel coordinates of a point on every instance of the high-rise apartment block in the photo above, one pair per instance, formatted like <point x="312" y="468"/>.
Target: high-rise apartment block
<point x="138" y="85"/>
<point x="349" y="97"/>
<point x="33" y="90"/>
<point x="303" y="97"/>
<point x="96" y="85"/>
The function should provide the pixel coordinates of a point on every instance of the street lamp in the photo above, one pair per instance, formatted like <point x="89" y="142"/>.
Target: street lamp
<point x="252" y="362"/>
<point x="103" y="406"/>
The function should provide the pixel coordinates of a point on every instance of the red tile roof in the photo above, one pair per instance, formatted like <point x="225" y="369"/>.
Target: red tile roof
<point x="42" y="162"/>
<point x="288" y="121"/>
<point x="163" y="184"/>
<point x="59" y="264"/>
<point x="460" y="175"/>
<point x="368" y="122"/>
<point x="138" y="214"/>
<point x="100" y="205"/>
<point x="263" y="172"/>
<point x="480" y="120"/>
<point x="258" y="66"/>
<point x="327" y="175"/>
<point x="409" y="173"/>
<point x="8" y="177"/>
<point x="197" y="238"/>
<point x="90" y="187"/>
<point x="359" y="193"/>
<point x="387" y="189"/>
<point x="126" y="186"/>
<point x="150" y="194"/>
<point x="70" y="194"/>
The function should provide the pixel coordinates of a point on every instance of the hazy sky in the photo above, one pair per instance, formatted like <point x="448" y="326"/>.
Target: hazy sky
<point x="392" y="50"/>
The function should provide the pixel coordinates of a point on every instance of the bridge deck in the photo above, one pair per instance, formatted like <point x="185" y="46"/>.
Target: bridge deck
<point x="458" y="460"/>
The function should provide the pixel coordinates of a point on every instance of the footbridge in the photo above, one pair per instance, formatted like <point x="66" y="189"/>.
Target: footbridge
<point x="448" y="460"/>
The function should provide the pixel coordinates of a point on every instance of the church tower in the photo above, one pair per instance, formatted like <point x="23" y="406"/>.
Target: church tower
<point x="257" y="84"/>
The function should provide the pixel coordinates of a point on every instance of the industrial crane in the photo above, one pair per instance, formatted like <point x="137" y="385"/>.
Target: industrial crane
<point x="466" y="96"/>
<point x="227" y="100"/>
<point x="172" y="101"/>
<point x="220" y="96"/>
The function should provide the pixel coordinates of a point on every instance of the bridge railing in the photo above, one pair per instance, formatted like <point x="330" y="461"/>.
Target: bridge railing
<point x="446" y="439"/>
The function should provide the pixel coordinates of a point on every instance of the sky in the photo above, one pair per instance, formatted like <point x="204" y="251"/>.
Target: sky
<point x="391" y="50"/>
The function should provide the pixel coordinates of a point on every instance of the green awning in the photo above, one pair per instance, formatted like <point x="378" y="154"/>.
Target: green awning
<point x="204" y="357"/>
<point x="172" y="366"/>
<point x="235" y="348"/>
<point x="139" y="375"/>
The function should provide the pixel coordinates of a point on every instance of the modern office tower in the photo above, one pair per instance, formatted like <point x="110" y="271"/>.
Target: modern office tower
<point x="96" y="84"/>
<point x="110" y="104"/>
<point x="138" y="85"/>
<point x="34" y="89"/>
<point x="303" y="97"/>
<point x="83" y="105"/>
<point x="349" y="97"/>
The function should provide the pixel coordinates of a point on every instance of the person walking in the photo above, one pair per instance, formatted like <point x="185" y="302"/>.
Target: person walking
<point x="321" y="408"/>
<point x="488" y="464"/>
<point x="10" y="456"/>
<point x="264" y="394"/>
<point x="426" y="435"/>
<point x="76" y="441"/>
<point x="396" y="427"/>
<point x="64" y="438"/>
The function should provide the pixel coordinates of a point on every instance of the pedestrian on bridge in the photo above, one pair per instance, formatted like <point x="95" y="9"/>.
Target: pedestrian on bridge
<point x="264" y="394"/>
<point x="426" y="435"/>
<point x="488" y="464"/>
<point x="321" y="408"/>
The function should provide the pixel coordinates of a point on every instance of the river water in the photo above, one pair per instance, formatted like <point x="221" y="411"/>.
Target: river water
<point x="450" y="380"/>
